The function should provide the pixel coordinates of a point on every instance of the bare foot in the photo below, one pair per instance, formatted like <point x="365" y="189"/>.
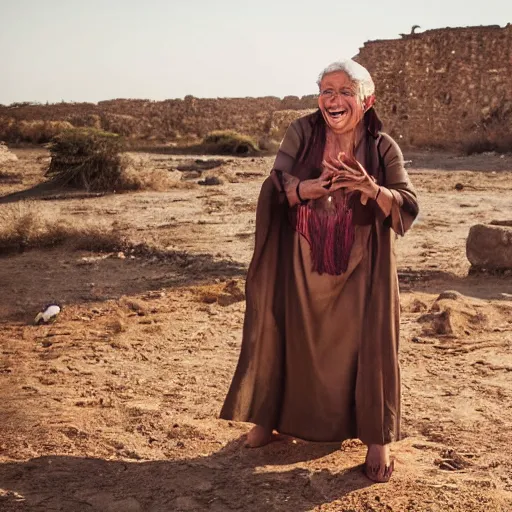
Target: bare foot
<point x="258" y="436"/>
<point x="379" y="464"/>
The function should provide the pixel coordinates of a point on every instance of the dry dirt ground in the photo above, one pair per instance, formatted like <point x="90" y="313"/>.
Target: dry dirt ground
<point x="114" y="406"/>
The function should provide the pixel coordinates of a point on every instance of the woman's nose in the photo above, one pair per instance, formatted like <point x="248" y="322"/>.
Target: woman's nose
<point x="334" y="100"/>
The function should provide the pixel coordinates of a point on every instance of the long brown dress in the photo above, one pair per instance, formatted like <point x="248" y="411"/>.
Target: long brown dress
<point x="319" y="356"/>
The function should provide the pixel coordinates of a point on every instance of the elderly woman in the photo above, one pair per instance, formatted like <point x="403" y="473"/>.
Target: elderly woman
<point x="319" y="357"/>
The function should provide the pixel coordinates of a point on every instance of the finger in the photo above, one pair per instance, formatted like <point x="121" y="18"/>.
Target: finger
<point x="350" y="169"/>
<point x="361" y="168"/>
<point x="343" y="157"/>
<point x="333" y="166"/>
<point x="353" y="178"/>
<point x="329" y="167"/>
<point x="343" y="185"/>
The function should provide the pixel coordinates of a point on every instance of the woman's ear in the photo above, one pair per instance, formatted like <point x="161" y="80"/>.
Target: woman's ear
<point x="368" y="102"/>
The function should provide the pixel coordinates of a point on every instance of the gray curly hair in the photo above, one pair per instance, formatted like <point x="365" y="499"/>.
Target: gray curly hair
<point x="356" y="72"/>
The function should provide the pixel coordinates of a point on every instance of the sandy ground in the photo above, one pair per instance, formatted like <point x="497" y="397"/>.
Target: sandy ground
<point x="114" y="407"/>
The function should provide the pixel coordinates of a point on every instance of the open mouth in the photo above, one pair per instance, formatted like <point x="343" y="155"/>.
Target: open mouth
<point x="336" y="114"/>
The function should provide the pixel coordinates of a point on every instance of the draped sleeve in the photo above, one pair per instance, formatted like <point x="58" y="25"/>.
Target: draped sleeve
<point x="404" y="208"/>
<point x="286" y="157"/>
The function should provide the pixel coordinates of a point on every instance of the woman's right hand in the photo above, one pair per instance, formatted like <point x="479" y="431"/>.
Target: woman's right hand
<point x="318" y="187"/>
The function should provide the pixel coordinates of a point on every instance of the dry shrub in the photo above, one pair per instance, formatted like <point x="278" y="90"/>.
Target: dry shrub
<point x="139" y="174"/>
<point x="229" y="142"/>
<point x="39" y="132"/>
<point x="30" y="225"/>
<point x="35" y="132"/>
<point x="88" y="159"/>
<point x="91" y="159"/>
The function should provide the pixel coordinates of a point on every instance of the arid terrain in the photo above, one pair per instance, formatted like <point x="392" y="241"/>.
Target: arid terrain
<point x="114" y="406"/>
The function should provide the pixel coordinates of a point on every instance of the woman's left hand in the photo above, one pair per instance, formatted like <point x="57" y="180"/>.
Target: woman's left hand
<point x="352" y="176"/>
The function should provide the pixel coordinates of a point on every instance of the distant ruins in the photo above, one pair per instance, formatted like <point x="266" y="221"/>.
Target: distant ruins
<point x="438" y="88"/>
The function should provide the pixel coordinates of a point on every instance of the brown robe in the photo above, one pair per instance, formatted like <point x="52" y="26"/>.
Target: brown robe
<point x="319" y="356"/>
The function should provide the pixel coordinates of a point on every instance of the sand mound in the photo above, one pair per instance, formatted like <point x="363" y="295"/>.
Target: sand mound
<point x="6" y="155"/>
<point x="222" y="293"/>
<point x="453" y="314"/>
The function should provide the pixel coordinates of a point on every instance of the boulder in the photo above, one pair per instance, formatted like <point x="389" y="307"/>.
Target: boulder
<point x="490" y="247"/>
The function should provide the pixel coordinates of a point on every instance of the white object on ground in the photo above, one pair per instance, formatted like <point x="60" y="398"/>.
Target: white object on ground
<point x="48" y="315"/>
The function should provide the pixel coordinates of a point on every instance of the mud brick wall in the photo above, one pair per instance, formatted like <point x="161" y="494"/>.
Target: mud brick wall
<point x="439" y="87"/>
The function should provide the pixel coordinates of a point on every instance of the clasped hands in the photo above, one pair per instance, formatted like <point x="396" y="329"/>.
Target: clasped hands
<point x="343" y="172"/>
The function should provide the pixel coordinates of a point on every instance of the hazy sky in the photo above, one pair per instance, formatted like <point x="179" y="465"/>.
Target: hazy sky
<point x="92" y="50"/>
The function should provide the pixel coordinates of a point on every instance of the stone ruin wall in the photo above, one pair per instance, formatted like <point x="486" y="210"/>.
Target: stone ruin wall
<point x="162" y="120"/>
<point x="435" y="88"/>
<point x="439" y="87"/>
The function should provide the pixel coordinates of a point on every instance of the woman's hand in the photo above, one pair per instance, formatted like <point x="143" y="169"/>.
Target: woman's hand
<point x="352" y="176"/>
<point x="317" y="188"/>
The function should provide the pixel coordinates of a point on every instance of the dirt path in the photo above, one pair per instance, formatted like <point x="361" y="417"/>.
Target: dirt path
<point x="114" y="407"/>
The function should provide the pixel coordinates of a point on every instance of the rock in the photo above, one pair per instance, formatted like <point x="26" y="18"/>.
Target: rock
<point x="490" y="247"/>
<point x="199" y="165"/>
<point x="450" y="294"/>
<point x="501" y="223"/>
<point x="418" y="306"/>
<point x="459" y="186"/>
<point x="210" y="180"/>
<point x="191" y="175"/>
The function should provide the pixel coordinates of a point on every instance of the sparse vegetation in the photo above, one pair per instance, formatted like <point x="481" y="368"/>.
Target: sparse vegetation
<point x="34" y="132"/>
<point x="88" y="159"/>
<point x="229" y="142"/>
<point x="31" y="225"/>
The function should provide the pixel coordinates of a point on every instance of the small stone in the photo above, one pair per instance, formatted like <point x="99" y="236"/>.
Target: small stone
<point x="418" y="306"/>
<point x="451" y="295"/>
<point x="210" y="180"/>
<point x="459" y="186"/>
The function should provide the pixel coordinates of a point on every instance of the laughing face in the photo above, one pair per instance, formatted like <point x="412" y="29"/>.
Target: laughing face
<point x="339" y="102"/>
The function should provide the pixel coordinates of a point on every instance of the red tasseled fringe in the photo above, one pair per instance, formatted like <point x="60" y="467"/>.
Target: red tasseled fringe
<point x="330" y="234"/>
